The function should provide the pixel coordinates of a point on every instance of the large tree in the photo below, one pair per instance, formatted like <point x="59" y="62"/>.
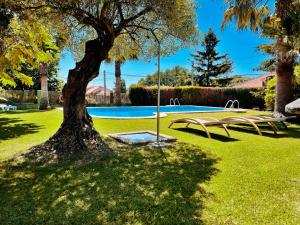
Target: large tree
<point x="109" y="19"/>
<point x="54" y="82"/>
<point x="284" y="27"/>
<point x="209" y="63"/>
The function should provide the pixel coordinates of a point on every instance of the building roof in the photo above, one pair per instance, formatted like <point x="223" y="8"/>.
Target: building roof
<point x="96" y="90"/>
<point x="258" y="82"/>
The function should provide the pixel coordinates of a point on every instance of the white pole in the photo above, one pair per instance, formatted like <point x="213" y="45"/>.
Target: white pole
<point x="158" y="94"/>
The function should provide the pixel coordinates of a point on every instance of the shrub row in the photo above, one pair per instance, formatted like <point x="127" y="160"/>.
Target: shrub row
<point x="187" y="95"/>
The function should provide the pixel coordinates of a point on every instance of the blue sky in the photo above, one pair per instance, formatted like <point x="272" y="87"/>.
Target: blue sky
<point x="239" y="45"/>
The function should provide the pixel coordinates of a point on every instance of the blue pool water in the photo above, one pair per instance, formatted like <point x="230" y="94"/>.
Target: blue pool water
<point x="146" y="111"/>
<point x="139" y="137"/>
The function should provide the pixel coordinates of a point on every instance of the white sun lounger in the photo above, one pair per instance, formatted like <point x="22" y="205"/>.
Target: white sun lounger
<point x="203" y="122"/>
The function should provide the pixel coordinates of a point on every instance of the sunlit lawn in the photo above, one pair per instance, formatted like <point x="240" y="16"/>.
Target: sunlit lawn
<point x="245" y="179"/>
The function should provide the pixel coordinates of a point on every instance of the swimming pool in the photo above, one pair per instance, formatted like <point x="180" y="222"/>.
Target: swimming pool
<point x="132" y="112"/>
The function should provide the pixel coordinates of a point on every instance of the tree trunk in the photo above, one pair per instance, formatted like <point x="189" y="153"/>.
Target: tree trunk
<point x="118" y="100"/>
<point x="44" y="102"/>
<point x="76" y="132"/>
<point x="284" y="66"/>
<point x="284" y="86"/>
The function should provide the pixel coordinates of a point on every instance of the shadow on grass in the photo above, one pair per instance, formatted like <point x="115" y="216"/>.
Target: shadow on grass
<point x="290" y="132"/>
<point x="135" y="186"/>
<point x="202" y="133"/>
<point x="12" y="128"/>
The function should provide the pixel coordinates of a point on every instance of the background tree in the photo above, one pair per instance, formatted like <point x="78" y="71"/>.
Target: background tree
<point x="124" y="49"/>
<point x="22" y="45"/>
<point x="54" y="83"/>
<point x="123" y="87"/>
<point x="28" y="43"/>
<point x="177" y="76"/>
<point x="284" y="27"/>
<point x="108" y="20"/>
<point x="208" y="63"/>
<point x="6" y="16"/>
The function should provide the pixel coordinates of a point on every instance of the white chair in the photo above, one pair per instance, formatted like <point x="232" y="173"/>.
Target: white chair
<point x="3" y="107"/>
<point x="11" y="107"/>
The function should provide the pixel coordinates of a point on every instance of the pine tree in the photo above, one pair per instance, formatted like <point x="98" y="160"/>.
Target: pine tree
<point x="208" y="63"/>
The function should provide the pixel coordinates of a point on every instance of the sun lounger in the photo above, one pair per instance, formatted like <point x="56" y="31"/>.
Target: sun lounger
<point x="255" y="121"/>
<point x="203" y="122"/>
<point x="280" y="120"/>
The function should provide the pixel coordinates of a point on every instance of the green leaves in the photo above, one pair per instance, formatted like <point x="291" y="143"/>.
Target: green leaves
<point x="246" y="13"/>
<point x="177" y="76"/>
<point x="29" y="42"/>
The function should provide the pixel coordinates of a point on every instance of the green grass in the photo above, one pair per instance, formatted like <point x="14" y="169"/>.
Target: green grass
<point x="245" y="179"/>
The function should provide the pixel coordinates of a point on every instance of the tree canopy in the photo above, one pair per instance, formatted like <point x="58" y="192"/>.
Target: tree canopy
<point x="27" y="40"/>
<point x="177" y="76"/>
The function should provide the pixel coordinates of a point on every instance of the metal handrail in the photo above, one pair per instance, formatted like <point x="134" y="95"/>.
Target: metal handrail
<point x="172" y="101"/>
<point x="238" y="104"/>
<point x="230" y="101"/>
<point x="177" y="101"/>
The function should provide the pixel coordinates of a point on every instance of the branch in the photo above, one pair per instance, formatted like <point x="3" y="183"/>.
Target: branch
<point x="120" y="10"/>
<point x="125" y="22"/>
<point x="104" y="9"/>
<point x="20" y="7"/>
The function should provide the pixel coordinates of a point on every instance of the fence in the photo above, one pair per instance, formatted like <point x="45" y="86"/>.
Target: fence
<point x="31" y="97"/>
<point x="107" y="100"/>
<point x="20" y="96"/>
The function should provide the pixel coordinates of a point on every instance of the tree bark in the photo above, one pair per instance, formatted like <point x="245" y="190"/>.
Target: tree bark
<point x="284" y="86"/>
<point x="44" y="102"/>
<point x="118" y="100"/>
<point x="76" y="132"/>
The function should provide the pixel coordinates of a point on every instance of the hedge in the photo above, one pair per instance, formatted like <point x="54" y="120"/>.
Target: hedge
<point x="187" y="95"/>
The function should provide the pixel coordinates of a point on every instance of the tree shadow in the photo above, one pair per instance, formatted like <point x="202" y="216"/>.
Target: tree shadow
<point x="134" y="186"/>
<point x="202" y="133"/>
<point x="245" y="128"/>
<point x="13" y="127"/>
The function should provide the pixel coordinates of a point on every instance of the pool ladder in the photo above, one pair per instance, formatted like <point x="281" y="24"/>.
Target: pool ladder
<point x="230" y="104"/>
<point x="174" y="100"/>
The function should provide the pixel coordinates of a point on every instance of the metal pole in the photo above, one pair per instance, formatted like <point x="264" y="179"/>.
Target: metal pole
<point x="104" y="76"/>
<point x="158" y="94"/>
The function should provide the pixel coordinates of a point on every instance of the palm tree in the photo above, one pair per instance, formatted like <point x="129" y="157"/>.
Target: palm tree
<point x="255" y="14"/>
<point x="118" y="88"/>
<point x="44" y="102"/>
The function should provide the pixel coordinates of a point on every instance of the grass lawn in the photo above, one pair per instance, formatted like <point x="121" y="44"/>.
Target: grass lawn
<point x="245" y="179"/>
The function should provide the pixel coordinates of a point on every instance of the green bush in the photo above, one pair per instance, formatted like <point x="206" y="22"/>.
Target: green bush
<point x="188" y="95"/>
<point x="270" y="93"/>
